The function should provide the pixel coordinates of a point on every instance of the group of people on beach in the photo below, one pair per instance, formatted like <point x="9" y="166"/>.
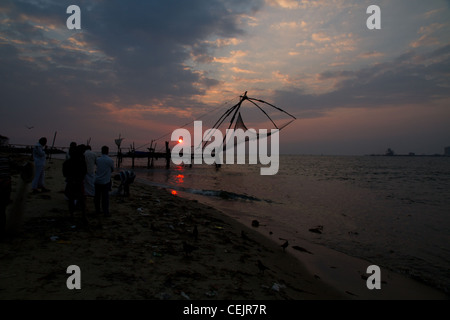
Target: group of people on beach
<point x="90" y="176"/>
<point x="86" y="175"/>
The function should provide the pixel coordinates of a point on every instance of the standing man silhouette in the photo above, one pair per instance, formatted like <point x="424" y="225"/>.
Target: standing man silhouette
<point x="105" y="166"/>
<point x="39" y="165"/>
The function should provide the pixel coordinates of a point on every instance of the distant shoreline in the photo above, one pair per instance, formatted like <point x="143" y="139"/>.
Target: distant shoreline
<point x="27" y="149"/>
<point x="408" y="155"/>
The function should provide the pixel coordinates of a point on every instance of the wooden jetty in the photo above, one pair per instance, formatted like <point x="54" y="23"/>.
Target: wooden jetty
<point x="151" y="155"/>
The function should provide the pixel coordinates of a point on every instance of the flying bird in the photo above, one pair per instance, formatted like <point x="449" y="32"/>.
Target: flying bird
<point x="29" y="127"/>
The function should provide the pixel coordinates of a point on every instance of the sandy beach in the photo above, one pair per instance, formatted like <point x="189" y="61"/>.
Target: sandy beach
<point x="138" y="253"/>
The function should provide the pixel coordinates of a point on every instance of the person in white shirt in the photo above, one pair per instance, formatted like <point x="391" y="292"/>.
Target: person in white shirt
<point x="89" y="186"/>
<point x="39" y="165"/>
<point x="126" y="178"/>
<point x="105" y="166"/>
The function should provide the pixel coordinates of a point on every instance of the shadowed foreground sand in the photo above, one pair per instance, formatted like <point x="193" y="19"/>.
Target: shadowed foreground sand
<point x="138" y="252"/>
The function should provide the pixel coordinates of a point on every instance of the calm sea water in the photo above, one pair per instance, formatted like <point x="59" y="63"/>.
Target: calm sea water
<point x="391" y="211"/>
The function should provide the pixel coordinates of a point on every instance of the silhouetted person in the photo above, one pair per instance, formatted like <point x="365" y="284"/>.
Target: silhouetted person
<point x="89" y="186"/>
<point x="39" y="166"/>
<point x="72" y="146"/>
<point x="105" y="166"/>
<point x="74" y="170"/>
<point x="126" y="178"/>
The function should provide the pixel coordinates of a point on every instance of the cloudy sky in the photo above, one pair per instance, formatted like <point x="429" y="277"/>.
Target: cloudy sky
<point x="145" y="68"/>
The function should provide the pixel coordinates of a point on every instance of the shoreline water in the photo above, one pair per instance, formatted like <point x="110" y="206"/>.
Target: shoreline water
<point x="400" y="219"/>
<point x="343" y="272"/>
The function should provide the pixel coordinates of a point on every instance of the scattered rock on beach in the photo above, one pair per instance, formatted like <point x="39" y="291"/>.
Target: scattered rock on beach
<point x="317" y="229"/>
<point x="301" y="249"/>
<point x="285" y="245"/>
<point x="277" y="287"/>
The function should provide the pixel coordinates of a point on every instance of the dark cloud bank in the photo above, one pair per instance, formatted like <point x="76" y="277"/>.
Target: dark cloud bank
<point x="143" y="46"/>
<point x="411" y="78"/>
